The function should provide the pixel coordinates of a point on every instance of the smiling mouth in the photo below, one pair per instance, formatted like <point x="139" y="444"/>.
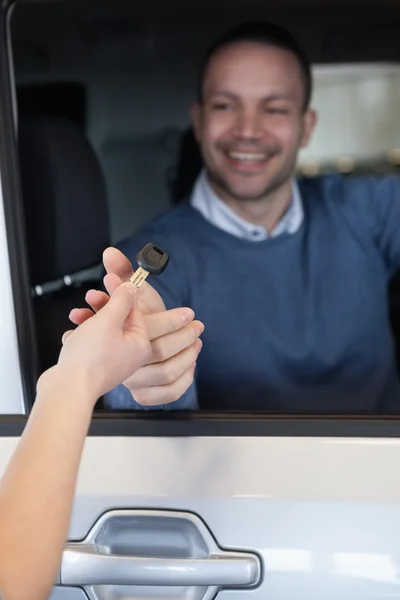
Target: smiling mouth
<point x="250" y="157"/>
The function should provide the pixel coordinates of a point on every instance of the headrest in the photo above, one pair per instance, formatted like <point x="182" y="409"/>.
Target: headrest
<point x="64" y="196"/>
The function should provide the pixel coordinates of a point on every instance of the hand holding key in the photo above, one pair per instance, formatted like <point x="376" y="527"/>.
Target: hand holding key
<point x="174" y="336"/>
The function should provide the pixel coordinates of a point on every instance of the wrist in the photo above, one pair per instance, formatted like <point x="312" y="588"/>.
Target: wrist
<point x="76" y="382"/>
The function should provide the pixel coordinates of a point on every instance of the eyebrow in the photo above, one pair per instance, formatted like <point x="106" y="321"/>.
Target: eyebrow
<point x="270" y="98"/>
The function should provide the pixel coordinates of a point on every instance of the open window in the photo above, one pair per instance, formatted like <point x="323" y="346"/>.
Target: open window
<point x="101" y="96"/>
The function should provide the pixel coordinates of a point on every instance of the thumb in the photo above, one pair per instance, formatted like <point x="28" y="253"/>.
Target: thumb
<point x="66" y="336"/>
<point x="120" y="305"/>
<point x="135" y="321"/>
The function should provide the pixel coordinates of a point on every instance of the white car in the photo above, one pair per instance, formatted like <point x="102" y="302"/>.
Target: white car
<point x="194" y="506"/>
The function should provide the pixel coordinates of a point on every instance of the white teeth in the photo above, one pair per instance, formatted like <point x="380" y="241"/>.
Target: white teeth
<point x="250" y="157"/>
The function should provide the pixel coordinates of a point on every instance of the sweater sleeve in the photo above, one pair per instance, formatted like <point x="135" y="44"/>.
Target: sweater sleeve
<point x="383" y="201"/>
<point x="374" y="204"/>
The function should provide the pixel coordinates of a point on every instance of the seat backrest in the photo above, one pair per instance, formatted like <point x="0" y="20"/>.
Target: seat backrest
<point x="135" y="169"/>
<point x="67" y="222"/>
<point x="189" y="165"/>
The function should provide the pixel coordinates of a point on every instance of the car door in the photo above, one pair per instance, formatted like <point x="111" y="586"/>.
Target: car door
<point x="239" y="508"/>
<point x="200" y="506"/>
<point x="286" y="509"/>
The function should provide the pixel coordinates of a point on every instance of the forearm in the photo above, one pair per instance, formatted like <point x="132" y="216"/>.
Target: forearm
<point x="37" y="490"/>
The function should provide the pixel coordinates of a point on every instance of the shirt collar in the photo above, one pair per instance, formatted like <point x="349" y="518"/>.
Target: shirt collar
<point x="221" y="215"/>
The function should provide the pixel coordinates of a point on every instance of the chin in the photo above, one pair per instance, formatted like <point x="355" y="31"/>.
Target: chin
<point x="241" y="188"/>
<point x="248" y="193"/>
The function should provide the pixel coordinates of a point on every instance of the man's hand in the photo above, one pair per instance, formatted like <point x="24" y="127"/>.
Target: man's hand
<point x="174" y="337"/>
<point x="116" y="263"/>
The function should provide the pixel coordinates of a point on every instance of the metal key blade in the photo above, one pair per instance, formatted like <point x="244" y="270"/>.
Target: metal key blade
<point x="139" y="276"/>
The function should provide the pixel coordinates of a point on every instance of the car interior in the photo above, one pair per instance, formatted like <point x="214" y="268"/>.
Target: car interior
<point x="102" y="96"/>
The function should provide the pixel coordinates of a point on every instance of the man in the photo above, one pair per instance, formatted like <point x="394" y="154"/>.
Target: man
<point x="290" y="278"/>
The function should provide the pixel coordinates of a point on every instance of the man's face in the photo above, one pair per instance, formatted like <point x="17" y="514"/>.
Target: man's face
<point x="252" y="121"/>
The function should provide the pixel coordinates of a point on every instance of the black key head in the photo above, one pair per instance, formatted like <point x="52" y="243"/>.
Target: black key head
<point x="152" y="259"/>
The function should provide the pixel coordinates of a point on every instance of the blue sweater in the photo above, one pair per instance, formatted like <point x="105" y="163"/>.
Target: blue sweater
<point x="293" y="323"/>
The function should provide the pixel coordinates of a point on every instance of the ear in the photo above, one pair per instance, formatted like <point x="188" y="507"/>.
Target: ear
<point x="196" y="116"/>
<point x="310" y="119"/>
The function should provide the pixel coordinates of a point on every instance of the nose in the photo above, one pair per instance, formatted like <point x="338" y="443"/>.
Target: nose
<point x="248" y="124"/>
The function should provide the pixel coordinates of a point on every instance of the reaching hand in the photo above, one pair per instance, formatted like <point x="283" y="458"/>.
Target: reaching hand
<point x="108" y="348"/>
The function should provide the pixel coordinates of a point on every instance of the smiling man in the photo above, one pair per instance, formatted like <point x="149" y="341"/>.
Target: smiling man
<point x="290" y="277"/>
<point x="251" y="118"/>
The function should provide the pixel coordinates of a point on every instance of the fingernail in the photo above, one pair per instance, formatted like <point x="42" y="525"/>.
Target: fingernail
<point x="187" y="315"/>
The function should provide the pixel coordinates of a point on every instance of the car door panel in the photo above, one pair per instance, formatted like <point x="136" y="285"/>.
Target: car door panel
<point x="321" y="513"/>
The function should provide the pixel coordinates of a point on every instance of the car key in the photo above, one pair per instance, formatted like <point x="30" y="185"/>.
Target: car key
<point x="152" y="261"/>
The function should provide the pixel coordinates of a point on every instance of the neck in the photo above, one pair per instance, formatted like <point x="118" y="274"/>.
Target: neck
<point x="266" y="211"/>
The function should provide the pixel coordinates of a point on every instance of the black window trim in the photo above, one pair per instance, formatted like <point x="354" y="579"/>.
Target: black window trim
<point x="14" y="216"/>
<point x="180" y="424"/>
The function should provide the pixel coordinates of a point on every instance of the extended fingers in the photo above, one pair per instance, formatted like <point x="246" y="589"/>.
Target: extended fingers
<point x="167" y="372"/>
<point x="165" y="394"/>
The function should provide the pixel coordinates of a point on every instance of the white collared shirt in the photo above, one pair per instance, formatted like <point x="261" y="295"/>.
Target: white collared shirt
<point x="218" y="213"/>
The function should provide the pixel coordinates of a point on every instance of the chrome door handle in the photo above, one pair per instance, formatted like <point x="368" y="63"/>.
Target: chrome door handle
<point x="84" y="565"/>
<point x="147" y="553"/>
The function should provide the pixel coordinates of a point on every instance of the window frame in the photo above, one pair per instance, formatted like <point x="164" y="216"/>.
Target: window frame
<point x="143" y="424"/>
<point x="246" y="425"/>
<point x="13" y="214"/>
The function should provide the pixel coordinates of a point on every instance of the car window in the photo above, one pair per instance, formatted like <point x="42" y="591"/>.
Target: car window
<point x="113" y="76"/>
<point x="366" y="139"/>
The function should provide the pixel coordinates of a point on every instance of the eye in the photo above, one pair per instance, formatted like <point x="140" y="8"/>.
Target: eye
<point x="222" y="106"/>
<point x="277" y="111"/>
